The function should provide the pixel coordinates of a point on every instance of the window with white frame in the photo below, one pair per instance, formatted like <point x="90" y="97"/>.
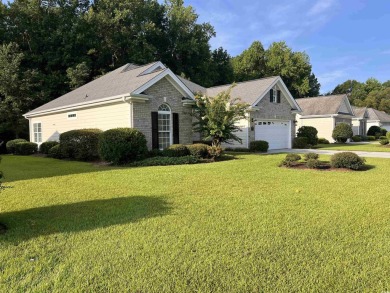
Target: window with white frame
<point x="37" y="128"/>
<point x="164" y="126"/>
<point x="72" y="115"/>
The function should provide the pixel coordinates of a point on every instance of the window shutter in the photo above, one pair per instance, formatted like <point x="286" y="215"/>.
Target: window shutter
<point x="175" y="128"/>
<point x="279" y="96"/>
<point x="271" y="95"/>
<point x="154" y="130"/>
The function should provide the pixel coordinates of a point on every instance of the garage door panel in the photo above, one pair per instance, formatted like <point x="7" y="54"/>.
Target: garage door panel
<point x="277" y="133"/>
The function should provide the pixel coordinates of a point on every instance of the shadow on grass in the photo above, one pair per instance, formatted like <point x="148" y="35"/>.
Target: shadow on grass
<point x="80" y="216"/>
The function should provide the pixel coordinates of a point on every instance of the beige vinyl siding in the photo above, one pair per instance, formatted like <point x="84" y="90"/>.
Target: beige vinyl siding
<point x="243" y="124"/>
<point x="103" y="117"/>
<point x="324" y="126"/>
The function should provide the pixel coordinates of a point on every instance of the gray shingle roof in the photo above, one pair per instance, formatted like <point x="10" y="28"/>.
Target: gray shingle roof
<point x="326" y="105"/>
<point x="359" y="111"/>
<point x="374" y="114"/>
<point x="122" y="80"/>
<point x="248" y="91"/>
<point x="193" y="87"/>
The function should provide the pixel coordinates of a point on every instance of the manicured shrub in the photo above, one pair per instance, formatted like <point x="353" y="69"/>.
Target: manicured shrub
<point x="199" y="150"/>
<point x="239" y="150"/>
<point x="374" y="131"/>
<point x="342" y="132"/>
<point x="384" y="141"/>
<point x="388" y="135"/>
<point x="176" y="150"/>
<point x="290" y="160"/>
<point x="259" y="146"/>
<point x="323" y="141"/>
<point x="371" y="138"/>
<point x="154" y="153"/>
<point x="383" y="132"/>
<point x="382" y="137"/>
<point x="310" y="133"/>
<point x="11" y="144"/>
<point x="122" y="145"/>
<point x="347" y="160"/>
<point x="356" y="138"/>
<point x="165" y="161"/>
<point x="364" y="137"/>
<point x="55" y="152"/>
<point x="300" y="143"/>
<point x="46" y="146"/>
<point x="313" y="164"/>
<point x="25" y="148"/>
<point x="214" y="152"/>
<point x="311" y="156"/>
<point x="80" y="144"/>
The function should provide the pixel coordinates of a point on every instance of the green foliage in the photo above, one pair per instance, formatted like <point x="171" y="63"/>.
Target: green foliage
<point x="310" y="133"/>
<point x="311" y="156"/>
<point x="250" y="64"/>
<point x="238" y="150"/>
<point x="300" y="143"/>
<point x="259" y="146"/>
<point x="79" y="75"/>
<point x="290" y="160"/>
<point x="347" y="160"/>
<point x="165" y="161"/>
<point x="384" y="141"/>
<point x="382" y="137"/>
<point x="176" y="150"/>
<point x="216" y="117"/>
<point x="342" y="132"/>
<point x="11" y="145"/>
<point x="122" y="145"/>
<point x="80" y="144"/>
<point x="46" y="146"/>
<point x="383" y="132"/>
<point x="371" y="138"/>
<point x="214" y="152"/>
<point x="55" y="152"/>
<point x="388" y="135"/>
<point x="313" y="164"/>
<point x="198" y="150"/>
<point x="374" y="131"/>
<point x="26" y="148"/>
<point x="322" y="140"/>
<point x="356" y="138"/>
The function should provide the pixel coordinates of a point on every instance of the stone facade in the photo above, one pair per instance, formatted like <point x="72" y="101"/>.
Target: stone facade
<point x="163" y="92"/>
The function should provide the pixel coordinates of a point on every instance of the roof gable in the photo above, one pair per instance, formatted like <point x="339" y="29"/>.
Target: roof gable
<point x="325" y="105"/>
<point x="377" y="115"/>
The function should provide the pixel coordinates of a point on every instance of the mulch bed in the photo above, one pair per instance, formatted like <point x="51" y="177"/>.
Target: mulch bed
<point x="325" y="166"/>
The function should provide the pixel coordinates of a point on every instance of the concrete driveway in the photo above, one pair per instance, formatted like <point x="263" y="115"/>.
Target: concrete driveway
<point x="329" y="152"/>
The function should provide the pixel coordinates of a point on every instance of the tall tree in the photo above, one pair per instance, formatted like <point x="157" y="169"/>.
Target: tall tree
<point x="314" y="86"/>
<point x="220" y="68"/>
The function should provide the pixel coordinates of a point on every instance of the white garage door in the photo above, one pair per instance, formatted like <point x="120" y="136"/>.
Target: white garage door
<point x="276" y="132"/>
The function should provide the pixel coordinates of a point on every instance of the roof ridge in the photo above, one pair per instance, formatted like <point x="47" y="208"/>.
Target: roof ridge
<point x="136" y="66"/>
<point x="241" y="82"/>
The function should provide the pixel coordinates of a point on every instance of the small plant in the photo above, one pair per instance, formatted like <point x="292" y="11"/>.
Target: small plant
<point x="323" y="141"/>
<point x="310" y="133"/>
<point x="290" y="160"/>
<point x="384" y="141"/>
<point x="259" y="146"/>
<point x="342" y="132"/>
<point x="46" y="146"/>
<point x="371" y="138"/>
<point x="214" y="152"/>
<point x="300" y="143"/>
<point x="383" y="132"/>
<point x="26" y="148"/>
<point x="55" y="152"/>
<point x="311" y="156"/>
<point x="313" y="163"/>
<point x="198" y="150"/>
<point x="11" y="145"/>
<point x="347" y="160"/>
<point x="176" y="150"/>
<point x="356" y="138"/>
<point x="165" y="161"/>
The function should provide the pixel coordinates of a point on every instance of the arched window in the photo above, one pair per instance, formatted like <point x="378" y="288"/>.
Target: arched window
<point x="164" y="126"/>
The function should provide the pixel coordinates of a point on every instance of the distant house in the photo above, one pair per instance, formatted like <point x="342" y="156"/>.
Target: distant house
<point x="359" y="121"/>
<point x="324" y="113"/>
<point x="378" y="118"/>
<point x="152" y="99"/>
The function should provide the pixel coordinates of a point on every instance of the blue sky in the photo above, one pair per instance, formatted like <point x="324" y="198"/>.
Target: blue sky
<point x="345" y="39"/>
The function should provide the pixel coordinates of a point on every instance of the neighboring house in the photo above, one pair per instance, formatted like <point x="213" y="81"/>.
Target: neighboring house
<point x="378" y="118"/>
<point x="324" y="113"/>
<point x="152" y="99"/>
<point x="359" y="121"/>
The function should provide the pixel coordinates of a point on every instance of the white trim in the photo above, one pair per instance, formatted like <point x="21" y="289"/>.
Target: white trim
<point x="153" y="68"/>
<point x="33" y="133"/>
<point x="348" y="104"/>
<point x="290" y="135"/>
<point x="170" y="122"/>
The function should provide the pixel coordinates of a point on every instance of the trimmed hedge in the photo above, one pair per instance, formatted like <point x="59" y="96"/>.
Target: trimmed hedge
<point x="165" y="161"/>
<point x="238" y="150"/>
<point x="55" y="152"/>
<point x="388" y="135"/>
<point x="323" y="141"/>
<point x="371" y="138"/>
<point x="313" y="164"/>
<point x="45" y="147"/>
<point x="176" y="150"/>
<point x="11" y="144"/>
<point x="199" y="150"/>
<point x="300" y="143"/>
<point x="80" y="144"/>
<point x="342" y="132"/>
<point x="26" y="148"/>
<point x="259" y="146"/>
<point x="347" y="160"/>
<point x="310" y="133"/>
<point x="356" y="138"/>
<point x="374" y="131"/>
<point x="122" y="145"/>
<point x="384" y="141"/>
<point x="311" y="156"/>
<point x="290" y="160"/>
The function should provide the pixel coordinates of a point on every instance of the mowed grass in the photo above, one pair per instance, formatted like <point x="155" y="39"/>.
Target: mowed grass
<point x="242" y="225"/>
<point x="368" y="147"/>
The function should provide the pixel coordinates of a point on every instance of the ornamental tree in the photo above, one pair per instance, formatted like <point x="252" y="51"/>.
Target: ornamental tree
<point x="217" y="117"/>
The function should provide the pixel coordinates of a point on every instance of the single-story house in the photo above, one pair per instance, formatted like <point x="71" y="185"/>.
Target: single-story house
<point x="152" y="99"/>
<point x="359" y="121"/>
<point x="324" y="113"/>
<point x="378" y="118"/>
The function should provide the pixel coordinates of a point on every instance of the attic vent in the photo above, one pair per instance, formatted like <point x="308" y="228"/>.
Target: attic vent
<point x="129" y="67"/>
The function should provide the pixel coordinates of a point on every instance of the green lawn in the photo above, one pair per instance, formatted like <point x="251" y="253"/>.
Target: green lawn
<point x="242" y="225"/>
<point x="371" y="147"/>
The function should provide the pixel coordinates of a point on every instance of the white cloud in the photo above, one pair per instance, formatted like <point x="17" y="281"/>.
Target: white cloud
<point x="321" y="7"/>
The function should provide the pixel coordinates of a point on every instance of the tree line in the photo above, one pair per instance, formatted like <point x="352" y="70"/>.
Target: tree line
<point x="48" y="48"/>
